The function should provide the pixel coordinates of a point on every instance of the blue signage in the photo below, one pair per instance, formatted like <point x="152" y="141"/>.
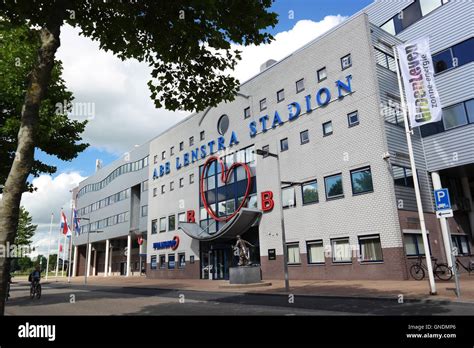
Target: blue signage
<point x="167" y="244"/>
<point x="442" y="199"/>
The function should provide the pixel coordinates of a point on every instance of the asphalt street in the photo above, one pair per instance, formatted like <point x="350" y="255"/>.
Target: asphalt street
<point x="74" y="299"/>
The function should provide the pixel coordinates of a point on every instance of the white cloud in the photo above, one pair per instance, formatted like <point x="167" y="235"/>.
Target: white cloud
<point x="124" y="113"/>
<point x="52" y="194"/>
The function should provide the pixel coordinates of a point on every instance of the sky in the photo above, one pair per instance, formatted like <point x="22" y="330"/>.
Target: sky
<point x="115" y="100"/>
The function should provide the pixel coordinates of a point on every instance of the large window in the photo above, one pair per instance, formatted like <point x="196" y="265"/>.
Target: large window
<point x="385" y="60"/>
<point x="370" y="248"/>
<point x="288" y="197"/>
<point x="153" y="262"/>
<point x="454" y="56"/>
<point x="461" y="242"/>
<point x="293" y="253"/>
<point x="163" y="224"/>
<point x="154" y="227"/>
<point x="171" y="222"/>
<point x="333" y="185"/>
<point x="310" y="192"/>
<point x="402" y="176"/>
<point x="361" y="180"/>
<point x="181" y="260"/>
<point x="341" y="250"/>
<point x="162" y="261"/>
<point x="315" y="250"/>
<point x="414" y="244"/>
<point x="454" y="116"/>
<point x="171" y="261"/>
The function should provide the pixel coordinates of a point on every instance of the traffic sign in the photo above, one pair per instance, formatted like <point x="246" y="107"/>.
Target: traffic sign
<point x="444" y="213"/>
<point x="442" y="199"/>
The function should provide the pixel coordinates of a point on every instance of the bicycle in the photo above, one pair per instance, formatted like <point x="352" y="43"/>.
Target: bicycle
<point x="469" y="268"/>
<point x="440" y="270"/>
<point x="35" y="289"/>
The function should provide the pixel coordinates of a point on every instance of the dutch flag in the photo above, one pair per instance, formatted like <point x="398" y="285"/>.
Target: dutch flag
<point x="64" y="226"/>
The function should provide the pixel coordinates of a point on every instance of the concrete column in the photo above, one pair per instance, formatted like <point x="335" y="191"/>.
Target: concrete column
<point x="129" y="253"/>
<point x="74" y="262"/>
<point x="106" y="267"/>
<point x="466" y="190"/>
<point x="443" y="223"/>
<point x="88" y="259"/>
<point x="110" y="260"/>
<point x="94" y="265"/>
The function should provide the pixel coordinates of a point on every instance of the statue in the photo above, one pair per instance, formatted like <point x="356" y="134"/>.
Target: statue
<point x="242" y="251"/>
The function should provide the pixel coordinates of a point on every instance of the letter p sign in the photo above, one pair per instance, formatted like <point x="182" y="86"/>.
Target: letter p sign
<point x="442" y="199"/>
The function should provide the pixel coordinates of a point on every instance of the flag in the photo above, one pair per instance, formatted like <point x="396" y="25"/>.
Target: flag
<point x="64" y="226"/>
<point x="60" y="248"/>
<point x="75" y="222"/>
<point x="417" y="70"/>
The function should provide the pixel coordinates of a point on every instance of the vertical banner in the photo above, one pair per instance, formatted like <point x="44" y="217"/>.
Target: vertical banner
<point x="417" y="71"/>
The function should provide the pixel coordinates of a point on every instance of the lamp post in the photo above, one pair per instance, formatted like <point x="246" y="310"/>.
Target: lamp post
<point x="282" y="218"/>
<point x="87" y="254"/>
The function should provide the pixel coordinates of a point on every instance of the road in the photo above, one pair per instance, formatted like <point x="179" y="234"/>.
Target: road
<point x="75" y="299"/>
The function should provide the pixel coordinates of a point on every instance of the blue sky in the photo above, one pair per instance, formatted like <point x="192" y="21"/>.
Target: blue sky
<point x="314" y="10"/>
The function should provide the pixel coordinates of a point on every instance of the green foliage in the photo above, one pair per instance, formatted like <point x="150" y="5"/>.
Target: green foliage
<point x="24" y="264"/>
<point x="26" y="229"/>
<point x="57" y="135"/>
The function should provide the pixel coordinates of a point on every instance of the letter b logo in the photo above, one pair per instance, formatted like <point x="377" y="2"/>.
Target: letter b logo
<point x="267" y="200"/>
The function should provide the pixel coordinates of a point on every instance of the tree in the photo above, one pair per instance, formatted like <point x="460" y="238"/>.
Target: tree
<point x="25" y="264"/>
<point x="26" y="229"/>
<point x="52" y="261"/>
<point x="186" y="42"/>
<point x="56" y="134"/>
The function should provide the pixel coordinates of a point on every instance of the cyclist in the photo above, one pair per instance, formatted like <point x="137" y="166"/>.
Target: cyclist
<point x="35" y="276"/>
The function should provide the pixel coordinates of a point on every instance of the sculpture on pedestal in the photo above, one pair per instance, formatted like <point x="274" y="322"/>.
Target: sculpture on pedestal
<point x="242" y="251"/>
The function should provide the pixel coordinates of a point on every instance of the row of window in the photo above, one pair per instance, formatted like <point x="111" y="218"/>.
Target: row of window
<point x="171" y="185"/>
<point x="414" y="244"/>
<point x="171" y="264"/>
<point x="117" y="197"/>
<point x="202" y="136"/>
<point x="167" y="223"/>
<point x="123" y="169"/>
<point x="321" y="74"/>
<point x="454" y="56"/>
<point x="411" y="14"/>
<point x="369" y="250"/>
<point x="110" y="221"/>
<point x="454" y="116"/>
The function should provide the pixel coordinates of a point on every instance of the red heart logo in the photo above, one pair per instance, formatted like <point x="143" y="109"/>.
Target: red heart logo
<point x="225" y="175"/>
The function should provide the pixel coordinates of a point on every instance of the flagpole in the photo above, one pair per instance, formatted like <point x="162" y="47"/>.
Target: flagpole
<point x="49" y="244"/>
<point x="64" y="255"/>
<point x="70" y="243"/>
<point x="421" y="216"/>
<point x="59" y="243"/>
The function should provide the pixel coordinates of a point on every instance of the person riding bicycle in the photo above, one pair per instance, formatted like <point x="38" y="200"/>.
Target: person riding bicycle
<point x="35" y="276"/>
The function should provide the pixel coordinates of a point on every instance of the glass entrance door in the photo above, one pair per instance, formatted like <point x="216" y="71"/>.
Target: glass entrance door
<point x="220" y="263"/>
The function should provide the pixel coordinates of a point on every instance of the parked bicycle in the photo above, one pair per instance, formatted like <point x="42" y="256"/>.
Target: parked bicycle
<point x="468" y="268"/>
<point x="440" y="270"/>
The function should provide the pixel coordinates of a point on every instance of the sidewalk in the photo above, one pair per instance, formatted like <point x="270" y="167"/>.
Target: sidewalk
<point x="389" y="289"/>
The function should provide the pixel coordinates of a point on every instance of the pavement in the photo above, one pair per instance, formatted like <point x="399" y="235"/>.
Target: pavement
<point x="411" y="290"/>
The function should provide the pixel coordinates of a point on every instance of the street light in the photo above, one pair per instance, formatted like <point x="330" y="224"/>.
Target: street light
<point x="87" y="250"/>
<point x="266" y="153"/>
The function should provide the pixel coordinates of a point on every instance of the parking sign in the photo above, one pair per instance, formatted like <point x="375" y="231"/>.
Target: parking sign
<point x="442" y="199"/>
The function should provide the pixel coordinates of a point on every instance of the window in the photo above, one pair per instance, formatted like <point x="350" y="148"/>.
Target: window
<point x="346" y="62"/>
<point x="370" y="248"/>
<point x="181" y="260"/>
<point x="293" y="253"/>
<point x="315" y="252"/>
<point x="402" y="176"/>
<point x="385" y="60"/>
<point x="163" y="155"/>
<point x="223" y="124"/>
<point x="443" y="60"/>
<point x="171" y="150"/>
<point x="182" y="217"/>
<point x="171" y="185"/>
<point x="470" y="110"/>
<point x="304" y="137"/>
<point x="171" y="262"/>
<point x="322" y="74"/>
<point x="341" y="250"/>
<point x="154" y="226"/>
<point x="327" y="128"/>
<point x="414" y="244"/>
<point x="361" y="181"/>
<point x="144" y="210"/>
<point x="162" y="261"/>
<point x="144" y="186"/>
<point x="454" y="116"/>
<point x="247" y="112"/>
<point x="464" y="52"/>
<point x="181" y="182"/>
<point x="153" y="262"/>
<point x="155" y="192"/>
<point x="266" y="150"/>
<point x="171" y="222"/>
<point x="288" y="197"/>
<point x="162" y="188"/>
<point x="163" y="224"/>
<point x="333" y="185"/>
<point x="393" y="111"/>
<point x="202" y="135"/>
<point x="461" y="243"/>
<point x="284" y="144"/>
<point x="191" y="178"/>
<point x="191" y="141"/>
<point x="155" y="159"/>
<point x="299" y="85"/>
<point x="280" y="95"/>
<point x="181" y="146"/>
<point x="310" y="192"/>
<point x="263" y="104"/>
<point x="353" y="119"/>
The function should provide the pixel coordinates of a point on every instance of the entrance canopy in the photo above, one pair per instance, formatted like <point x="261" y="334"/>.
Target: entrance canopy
<point x="239" y="224"/>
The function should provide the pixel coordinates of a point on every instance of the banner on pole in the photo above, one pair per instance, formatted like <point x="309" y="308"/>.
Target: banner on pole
<point x="416" y="67"/>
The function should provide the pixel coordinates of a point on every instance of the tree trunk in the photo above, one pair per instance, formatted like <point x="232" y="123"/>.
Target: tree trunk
<point x="16" y="182"/>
